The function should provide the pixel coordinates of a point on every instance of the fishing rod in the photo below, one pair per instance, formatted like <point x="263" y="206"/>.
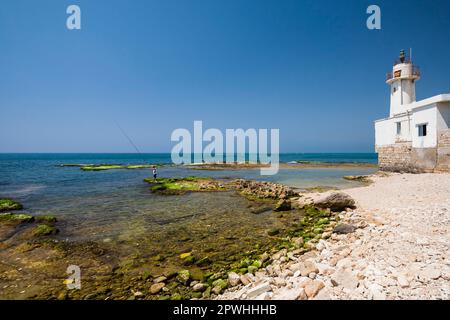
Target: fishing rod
<point x="129" y="139"/>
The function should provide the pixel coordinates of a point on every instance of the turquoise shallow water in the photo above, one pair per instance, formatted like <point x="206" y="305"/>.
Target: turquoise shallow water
<point x="107" y="203"/>
<point x="36" y="179"/>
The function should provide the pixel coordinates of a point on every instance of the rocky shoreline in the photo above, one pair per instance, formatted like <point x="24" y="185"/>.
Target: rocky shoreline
<point x="381" y="241"/>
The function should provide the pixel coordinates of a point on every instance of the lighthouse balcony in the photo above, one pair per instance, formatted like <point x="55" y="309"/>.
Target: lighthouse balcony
<point x="412" y="73"/>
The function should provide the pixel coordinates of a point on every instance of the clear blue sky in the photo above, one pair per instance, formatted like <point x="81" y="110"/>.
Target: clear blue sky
<point x="310" y="68"/>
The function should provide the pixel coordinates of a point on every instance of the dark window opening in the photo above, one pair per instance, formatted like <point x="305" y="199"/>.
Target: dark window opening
<point x="422" y="130"/>
<point x="399" y="128"/>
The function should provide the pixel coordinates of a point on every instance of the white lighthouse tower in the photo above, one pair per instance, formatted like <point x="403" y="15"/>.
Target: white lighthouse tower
<point x="402" y="83"/>
<point x="416" y="135"/>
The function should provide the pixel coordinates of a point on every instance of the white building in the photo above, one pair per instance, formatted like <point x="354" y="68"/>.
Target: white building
<point x="416" y="135"/>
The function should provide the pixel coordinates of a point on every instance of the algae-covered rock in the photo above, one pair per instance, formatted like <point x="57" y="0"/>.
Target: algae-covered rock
<point x="188" y="261"/>
<point x="204" y="261"/>
<point x="273" y="232"/>
<point x="102" y="167"/>
<point x="219" y="285"/>
<point x="44" y="230"/>
<point x="364" y="179"/>
<point x="283" y="205"/>
<point x="183" y="276"/>
<point x="174" y="186"/>
<point x="252" y="269"/>
<point x="196" y="295"/>
<point x="9" y="217"/>
<point x="46" y="219"/>
<point x="9" y="205"/>
<point x="207" y="293"/>
<point x="185" y="255"/>
<point x="107" y="166"/>
<point x="176" y="296"/>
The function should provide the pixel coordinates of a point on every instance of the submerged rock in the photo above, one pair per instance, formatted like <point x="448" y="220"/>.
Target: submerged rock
<point x="185" y="255"/>
<point x="157" y="287"/>
<point x="273" y="232"/>
<point x="260" y="210"/>
<point x="44" y="230"/>
<point x="107" y="166"/>
<point x="160" y="279"/>
<point x="364" y="179"/>
<point x="47" y="218"/>
<point x="184" y="276"/>
<point x="15" y="218"/>
<point x="283" y="205"/>
<point x="9" y="205"/>
<point x="174" y="186"/>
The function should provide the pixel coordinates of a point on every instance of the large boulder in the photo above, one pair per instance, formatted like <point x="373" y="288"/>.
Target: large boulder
<point x="336" y="201"/>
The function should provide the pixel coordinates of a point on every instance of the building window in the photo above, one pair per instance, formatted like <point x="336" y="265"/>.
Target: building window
<point x="394" y="89"/>
<point x="422" y="130"/>
<point x="399" y="128"/>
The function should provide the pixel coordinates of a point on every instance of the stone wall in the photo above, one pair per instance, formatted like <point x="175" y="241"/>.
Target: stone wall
<point x="443" y="152"/>
<point x="402" y="157"/>
<point x="395" y="157"/>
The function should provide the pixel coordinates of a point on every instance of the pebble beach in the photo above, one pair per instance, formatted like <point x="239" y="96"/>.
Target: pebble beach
<point x="395" y="245"/>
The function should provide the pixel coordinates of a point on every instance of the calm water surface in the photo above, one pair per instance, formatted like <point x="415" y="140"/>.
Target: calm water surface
<point x="116" y="205"/>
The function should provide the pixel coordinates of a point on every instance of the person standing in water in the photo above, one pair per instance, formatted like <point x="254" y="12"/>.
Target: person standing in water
<point x="155" y="173"/>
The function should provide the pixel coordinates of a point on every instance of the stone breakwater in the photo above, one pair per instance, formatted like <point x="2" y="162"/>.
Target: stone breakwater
<point x="395" y="245"/>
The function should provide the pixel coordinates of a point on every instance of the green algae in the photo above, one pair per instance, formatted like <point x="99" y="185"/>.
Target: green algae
<point x="181" y="185"/>
<point x="46" y="219"/>
<point x="8" y="205"/>
<point x="363" y="179"/>
<point x="44" y="230"/>
<point x="107" y="166"/>
<point x="15" y="217"/>
<point x="101" y="167"/>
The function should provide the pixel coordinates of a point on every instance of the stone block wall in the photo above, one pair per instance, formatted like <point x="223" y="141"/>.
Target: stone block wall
<point x="402" y="157"/>
<point x="395" y="157"/>
<point x="443" y="152"/>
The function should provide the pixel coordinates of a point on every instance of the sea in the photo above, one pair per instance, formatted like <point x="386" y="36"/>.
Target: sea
<point x="38" y="180"/>
<point x="116" y="210"/>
